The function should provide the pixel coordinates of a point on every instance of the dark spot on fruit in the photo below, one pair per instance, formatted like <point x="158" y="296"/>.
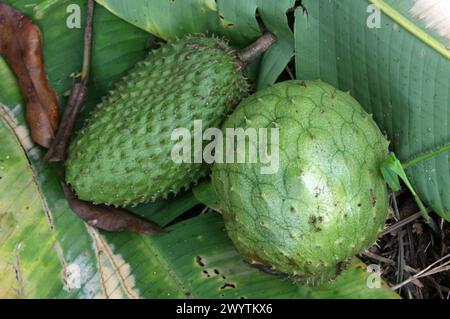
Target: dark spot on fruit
<point x="315" y="222"/>
<point x="359" y="204"/>
<point x="206" y="273"/>
<point x="317" y="194"/>
<point x="216" y="271"/>
<point x="373" y="197"/>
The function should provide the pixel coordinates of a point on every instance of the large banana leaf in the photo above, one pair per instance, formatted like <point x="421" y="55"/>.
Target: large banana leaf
<point x="47" y="251"/>
<point x="398" y="71"/>
<point x="234" y="19"/>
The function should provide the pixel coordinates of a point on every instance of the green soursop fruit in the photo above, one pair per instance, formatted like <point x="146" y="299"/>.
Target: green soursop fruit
<point x="123" y="154"/>
<point x="327" y="201"/>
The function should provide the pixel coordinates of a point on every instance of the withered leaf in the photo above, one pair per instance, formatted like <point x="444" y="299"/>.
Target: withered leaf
<point x="21" y="46"/>
<point x="109" y="218"/>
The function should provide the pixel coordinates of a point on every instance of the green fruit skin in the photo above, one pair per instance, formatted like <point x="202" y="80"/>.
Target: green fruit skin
<point x="123" y="154"/>
<point x="328" y="200"/>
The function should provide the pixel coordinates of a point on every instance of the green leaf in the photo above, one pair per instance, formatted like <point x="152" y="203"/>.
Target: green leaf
<point x="206" y="195"/>
<point x="392" y="170"/>
<point x="23" y="223"/>
<point x="164" y="211"/>
<point x="167" y="19"/>
<point x="398" y="72"/>
<point x="231" y="18"/>
<point x="358" y="281"/>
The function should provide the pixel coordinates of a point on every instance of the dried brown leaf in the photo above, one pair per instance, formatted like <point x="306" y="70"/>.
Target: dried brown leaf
<point x="21" y="46"/>
<point x="417" y="229"/>
<point x="109" y="218"/>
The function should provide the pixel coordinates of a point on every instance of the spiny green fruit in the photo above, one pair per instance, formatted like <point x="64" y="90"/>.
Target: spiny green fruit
<point x="123" y="155"/>
<point x="327" y="201"/>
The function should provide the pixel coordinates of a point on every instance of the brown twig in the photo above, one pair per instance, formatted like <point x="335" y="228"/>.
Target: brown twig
<point x="376" y="257"/>
<point x="289" y="71"/>
<point x="78" y="95"/>
<point x="401" y="252"/>
<point x="401" y="223"/>
<point x="430" y="270"/>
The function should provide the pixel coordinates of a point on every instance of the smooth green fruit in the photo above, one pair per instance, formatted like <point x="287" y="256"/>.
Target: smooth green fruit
<point x="123" y="155"/>
<point x="328" y="200"/>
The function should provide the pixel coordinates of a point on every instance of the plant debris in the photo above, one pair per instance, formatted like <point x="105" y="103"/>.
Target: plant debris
<point x="109" y="218"/>
<point x="415" y="260"/>
<point x="21" y="46"/>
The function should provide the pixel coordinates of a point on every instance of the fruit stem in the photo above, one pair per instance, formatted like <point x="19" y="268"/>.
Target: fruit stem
<point x="87" y="43"/>
<point x="57" y="151"/>
<point x="254" y="50"/>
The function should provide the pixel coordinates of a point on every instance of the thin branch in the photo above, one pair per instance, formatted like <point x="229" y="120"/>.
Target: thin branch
<point x="78" y="95"/>
<point x="289" y="71"/>
<point x="401" y="252"/>
<point x="87" y="43"/>
<point x="401" y="223"/>
<point x="427" y="271"/>
<point x="382" y="259"/>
